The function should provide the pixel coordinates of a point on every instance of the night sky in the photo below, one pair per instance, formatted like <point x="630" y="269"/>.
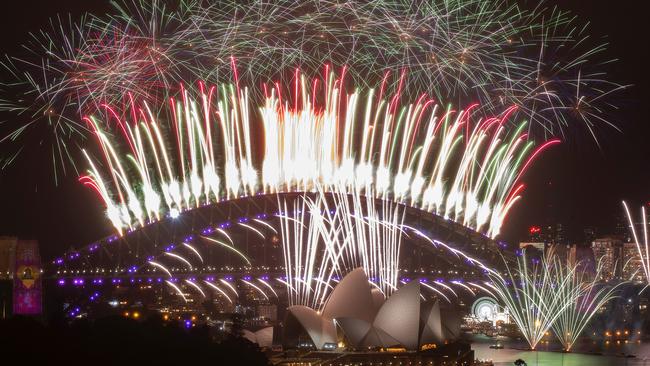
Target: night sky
<point x="578" y="184"/>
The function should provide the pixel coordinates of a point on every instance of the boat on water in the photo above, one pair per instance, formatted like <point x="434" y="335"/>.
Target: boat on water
<point x="497" y="345"/>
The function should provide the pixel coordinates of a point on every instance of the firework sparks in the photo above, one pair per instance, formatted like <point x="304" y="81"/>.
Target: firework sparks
<point x="178" y="290"/>
<point x="585" y="297"/>
<point x="324" y="239"/>
<point x="494" y="53"/>
<point x="219" y="290"/>
<point x="641" y="245"/>
<point x="438" y="161"/>
<point x="530" y="294"/>
<point x="327" y="234"/>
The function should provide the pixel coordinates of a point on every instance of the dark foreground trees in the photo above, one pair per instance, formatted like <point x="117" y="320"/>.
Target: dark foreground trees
<point x="120" y="341"/>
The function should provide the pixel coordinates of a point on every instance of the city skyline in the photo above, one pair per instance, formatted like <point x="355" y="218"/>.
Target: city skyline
<point x="325" y="182"/>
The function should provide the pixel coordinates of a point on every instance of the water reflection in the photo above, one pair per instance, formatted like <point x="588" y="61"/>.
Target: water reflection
<point x="608" y="354"/>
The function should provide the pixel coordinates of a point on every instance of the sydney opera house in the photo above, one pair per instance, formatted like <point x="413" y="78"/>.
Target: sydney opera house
<point x="360" y="317"/>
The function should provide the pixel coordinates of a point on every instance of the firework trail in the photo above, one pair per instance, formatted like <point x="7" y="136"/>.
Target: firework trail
<point x="641" y="245"/>
<point x="72" y="68"/>
<point x="327" y="234"/>
<point x="303" y="260"/>
<point x="440" y="161"/>
<point x="584" y="295"/>
<point x="325" y="238"/>
<point x="530" y="292"/>
<point x="493" y="53"/>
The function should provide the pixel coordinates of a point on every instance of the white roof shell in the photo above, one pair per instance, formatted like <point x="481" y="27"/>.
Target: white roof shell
<point x="368" y="320"/>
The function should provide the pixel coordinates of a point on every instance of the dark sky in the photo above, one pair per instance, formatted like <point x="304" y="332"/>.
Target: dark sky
<point x="577" y="184"/>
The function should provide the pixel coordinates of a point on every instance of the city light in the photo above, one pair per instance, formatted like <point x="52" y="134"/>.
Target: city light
<point x="322" y="182"/>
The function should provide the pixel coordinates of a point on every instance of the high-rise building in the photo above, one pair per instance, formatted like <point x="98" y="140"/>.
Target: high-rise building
<point x="633" y="268"/>
<point x="557" y="234"/>
<point x="565" y="252"/>
<point x="269" y="312"/>
<point x="589" y="233"/>
<point x="549" y="234"/>
<point x="534" y="234"/>
<point x="609" y="250"/>
<point x="622" y="228"/>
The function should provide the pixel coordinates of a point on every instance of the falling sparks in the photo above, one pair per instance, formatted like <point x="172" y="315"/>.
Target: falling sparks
<point x="442" y="161"/>
<point x="495" y="53"/>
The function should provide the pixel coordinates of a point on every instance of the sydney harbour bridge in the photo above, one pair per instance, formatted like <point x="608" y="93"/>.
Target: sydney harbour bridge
<point x="229" y="254"/>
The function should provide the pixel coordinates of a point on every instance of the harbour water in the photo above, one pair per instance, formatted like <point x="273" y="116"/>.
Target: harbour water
<point x="586" y="353"/>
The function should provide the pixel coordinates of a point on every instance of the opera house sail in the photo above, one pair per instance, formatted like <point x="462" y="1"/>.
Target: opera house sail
<point x="361" y="317"/>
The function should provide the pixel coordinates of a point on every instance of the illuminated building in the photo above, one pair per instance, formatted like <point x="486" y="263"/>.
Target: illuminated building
<point x="534" y="234"/>
<point x="633" y="268"/>
<point x="589" y="234"/>
<point x="20" y="277"/>
<point x="269" y="312"/>
<point x="610" y="251"/>
<point x="368" y="320"/>
<point x="547" y="234"/>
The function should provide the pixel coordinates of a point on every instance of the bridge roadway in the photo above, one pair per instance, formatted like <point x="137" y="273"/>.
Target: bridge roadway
<point x="68" y="278"/>
<point x="136" y="246"/>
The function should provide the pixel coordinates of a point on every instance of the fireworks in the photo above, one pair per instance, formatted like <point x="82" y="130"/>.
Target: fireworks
<point x="585" y="297"/>
<point x="551" y="293"/>
<point x="493" y="53"/>
<point x="442" y="161"/>
<point x="325" y="235"/>
<point x="641" y="245"/>
<point x="531" y="294"/>
<point x="322" y="240"/>
<point x="359" y="145"/>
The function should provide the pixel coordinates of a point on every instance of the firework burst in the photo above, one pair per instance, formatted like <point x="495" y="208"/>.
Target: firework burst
<point x="530" y="292"/>
<point x="439" y="161"/>
<point x="584" y="295"/>
<point x="495" y="54"/>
